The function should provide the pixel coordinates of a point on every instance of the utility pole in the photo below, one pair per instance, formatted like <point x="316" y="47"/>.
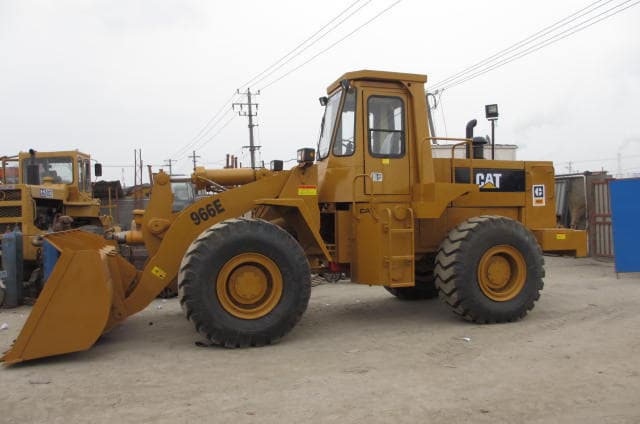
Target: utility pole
<point x="194" y="157"/>
<point x="135" y="166"/>
<point x="250" y="114"/>
<point x="137" y="173"/>
<point x="169" y="163"/>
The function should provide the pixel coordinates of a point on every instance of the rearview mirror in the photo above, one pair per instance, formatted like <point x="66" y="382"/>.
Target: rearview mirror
<point x="97" y="170"/>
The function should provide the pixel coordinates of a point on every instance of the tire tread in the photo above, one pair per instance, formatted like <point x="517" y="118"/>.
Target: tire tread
<point x="450" y="275"/>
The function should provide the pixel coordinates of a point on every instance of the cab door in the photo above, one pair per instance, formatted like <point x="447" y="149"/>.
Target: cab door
<point x="386" y="157"/>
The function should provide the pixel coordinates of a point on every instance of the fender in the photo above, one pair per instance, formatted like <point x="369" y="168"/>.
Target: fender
<point x="307" y="218"/>
<point x="431" y="199"/>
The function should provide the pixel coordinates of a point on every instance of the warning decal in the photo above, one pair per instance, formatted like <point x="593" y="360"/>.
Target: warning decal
<point x="307" y="190"/>
<point x="539" y="198"/>
<point x="159" y="272"/>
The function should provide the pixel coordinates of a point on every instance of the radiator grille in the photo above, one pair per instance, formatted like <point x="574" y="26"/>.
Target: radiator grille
<point x="10" y="211"/>
<point x="10" y="195"/>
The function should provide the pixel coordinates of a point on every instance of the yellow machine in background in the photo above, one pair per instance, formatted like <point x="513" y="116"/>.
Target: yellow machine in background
<point x="45" y="191"/>
<point x="370" y="201"/>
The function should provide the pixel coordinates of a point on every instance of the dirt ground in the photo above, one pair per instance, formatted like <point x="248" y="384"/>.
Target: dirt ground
<point x="358" y="355"/>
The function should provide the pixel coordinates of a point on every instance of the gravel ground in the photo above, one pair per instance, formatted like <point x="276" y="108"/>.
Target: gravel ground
<point x="358" y="355"/>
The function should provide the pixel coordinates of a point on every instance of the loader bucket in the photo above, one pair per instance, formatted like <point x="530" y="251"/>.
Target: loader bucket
<point x="78" y="299"/>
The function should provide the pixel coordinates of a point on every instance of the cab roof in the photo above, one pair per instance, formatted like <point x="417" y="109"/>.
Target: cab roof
<point x="55" y="153"/>
<point x="371" y="75"/>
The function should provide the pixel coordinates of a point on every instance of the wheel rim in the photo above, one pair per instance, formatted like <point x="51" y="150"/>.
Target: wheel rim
<point x="249" y="286"/>
<point x="502" y="273"/>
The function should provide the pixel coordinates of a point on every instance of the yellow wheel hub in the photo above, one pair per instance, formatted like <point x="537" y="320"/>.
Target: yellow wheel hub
<point x="249" y="286"/>
<point x="502" y="272"/>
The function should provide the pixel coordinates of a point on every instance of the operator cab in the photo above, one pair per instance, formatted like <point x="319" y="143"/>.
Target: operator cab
<point x="183" y="194"/>
<point x="365" y="141"/>
<point x="69" y="168"/>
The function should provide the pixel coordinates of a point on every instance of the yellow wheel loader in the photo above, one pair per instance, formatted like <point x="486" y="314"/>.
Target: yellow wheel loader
<point x="45" y="191"/>
<point x="370" y="202"/>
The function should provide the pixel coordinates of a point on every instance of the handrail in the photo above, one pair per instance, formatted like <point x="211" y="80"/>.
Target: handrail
<point x="449" y="139"/>
<point x="462" y="141"/>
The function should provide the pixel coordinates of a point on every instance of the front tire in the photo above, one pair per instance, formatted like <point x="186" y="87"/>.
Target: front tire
<point x="244" y="282"/>
<point x="490" y="269"/>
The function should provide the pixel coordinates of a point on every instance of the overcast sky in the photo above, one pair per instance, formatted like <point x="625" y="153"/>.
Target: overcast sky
<point x="107" y="77"/>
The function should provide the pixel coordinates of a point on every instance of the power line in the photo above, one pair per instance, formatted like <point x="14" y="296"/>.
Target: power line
<point x="554" y="39"/>
<point x="526" y="40"/>
<point x="128" y="166"/>
<point x="199" y="144"/>
<point x="444" y="121"/>
<point x="545" y="43"/>
<point x="217" y="133"/>
<point x="255" y="79"/>
<point x="217" y="117"/>
<point x="211" y="124"/>
<point x="217" y="162"/>
<point x="598" y="160"/>
<point x="314" y="42"/>
<point x="332" y="45"/>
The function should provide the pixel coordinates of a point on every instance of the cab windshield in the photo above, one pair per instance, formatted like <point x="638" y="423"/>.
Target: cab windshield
<point x="328" y="122"/>
<point x="183" y="195"/>
<point x="59" y="169"/>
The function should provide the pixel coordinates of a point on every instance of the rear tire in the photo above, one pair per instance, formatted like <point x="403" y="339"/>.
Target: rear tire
<point x="490" y="269"/>
<point x="425" y="287"/>
<point x="169" y="292"/>
<point x="244" y="282"/>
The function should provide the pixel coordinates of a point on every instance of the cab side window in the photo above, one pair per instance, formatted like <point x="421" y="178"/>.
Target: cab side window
<point x="87" y="174"/>
<point x="386" y="127"/>
<point x="84" y="175"/>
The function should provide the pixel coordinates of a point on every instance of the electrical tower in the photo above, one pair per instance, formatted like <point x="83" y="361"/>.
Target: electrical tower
<point x="250" y="114"/>
<point x="570" y="167"/>
<point x="137" y="167"/>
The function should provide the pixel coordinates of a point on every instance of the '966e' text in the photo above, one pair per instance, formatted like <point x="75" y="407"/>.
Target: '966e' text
<point x="208" y="211"/>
